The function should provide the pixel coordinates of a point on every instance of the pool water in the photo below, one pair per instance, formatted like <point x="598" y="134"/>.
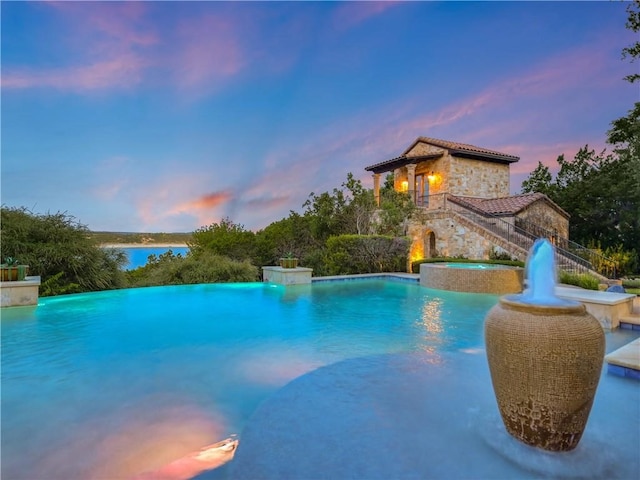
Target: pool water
<point x="110" y="384"/>
<point x="474" y="266"/>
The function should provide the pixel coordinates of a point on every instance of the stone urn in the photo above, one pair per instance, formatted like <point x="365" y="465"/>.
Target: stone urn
<point x="545" y="356"/>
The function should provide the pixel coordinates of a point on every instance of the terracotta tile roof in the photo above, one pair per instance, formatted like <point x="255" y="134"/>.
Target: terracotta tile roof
<point x="510" y="205"/>
<point x="456" y="147"/>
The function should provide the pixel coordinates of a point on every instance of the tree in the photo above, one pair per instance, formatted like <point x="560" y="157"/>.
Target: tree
<point x="225" y="238"/>
<point x="633" y="50"/>
<point x="540" y="180"/>
<point x="289" y="235"/>
<point x="59" y="249"/>
<point x="599" y="191"/>
<point x="396" y="208"/>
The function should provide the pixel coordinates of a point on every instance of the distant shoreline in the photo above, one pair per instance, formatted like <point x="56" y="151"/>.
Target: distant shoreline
<point x="143" y="245"/>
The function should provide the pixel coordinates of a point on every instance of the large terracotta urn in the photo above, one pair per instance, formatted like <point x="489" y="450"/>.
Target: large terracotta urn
<point x="545" y="357"/>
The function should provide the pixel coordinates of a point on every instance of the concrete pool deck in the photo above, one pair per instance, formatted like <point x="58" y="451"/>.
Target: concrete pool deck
<point x="415" y="416"/>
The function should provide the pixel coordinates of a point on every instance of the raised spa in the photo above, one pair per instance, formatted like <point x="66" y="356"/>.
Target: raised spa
<point x="472" y="277"/>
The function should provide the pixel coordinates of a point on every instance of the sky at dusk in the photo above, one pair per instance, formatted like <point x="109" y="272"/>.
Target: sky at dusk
<point x="167" y="116"/>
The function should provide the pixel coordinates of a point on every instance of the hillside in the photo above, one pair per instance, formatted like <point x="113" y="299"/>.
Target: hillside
<point x="140" y="238"/>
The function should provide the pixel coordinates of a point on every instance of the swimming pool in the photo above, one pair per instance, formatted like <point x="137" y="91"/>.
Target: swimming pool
<point x="110" y="384"/>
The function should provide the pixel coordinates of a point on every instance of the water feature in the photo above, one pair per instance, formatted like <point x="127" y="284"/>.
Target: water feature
<point x="541" y="277"/>
<point x="545" y="355"/>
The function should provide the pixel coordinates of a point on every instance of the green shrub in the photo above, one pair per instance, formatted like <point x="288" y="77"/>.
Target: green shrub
<point x="170" y="269"/>
<point x="631" y="282"/>
<point x="496" y="254"/>
<point x="415" y="266"/>
<point x="583" y="280"/>
<point x="353" y="254"/>
<point x="61" y="251"/>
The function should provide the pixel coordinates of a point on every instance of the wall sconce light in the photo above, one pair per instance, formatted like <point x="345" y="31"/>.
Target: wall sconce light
<point x="431" y="177"/>
<point x="405" y="185"/>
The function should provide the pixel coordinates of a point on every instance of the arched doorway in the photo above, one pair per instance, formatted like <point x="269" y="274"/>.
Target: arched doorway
<point x="429" y="244"/>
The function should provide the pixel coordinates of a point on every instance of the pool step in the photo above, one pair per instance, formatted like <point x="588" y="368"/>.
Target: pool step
<point x="625" y="361"/>
<point x="632" y="321"/>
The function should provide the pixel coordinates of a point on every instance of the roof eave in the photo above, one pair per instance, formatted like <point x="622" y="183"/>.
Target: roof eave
<point x="484" y="156"/>
<point x="392" y="164"/>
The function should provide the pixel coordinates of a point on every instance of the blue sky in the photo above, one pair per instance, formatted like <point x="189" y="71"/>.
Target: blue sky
<point x="166" y="116"/>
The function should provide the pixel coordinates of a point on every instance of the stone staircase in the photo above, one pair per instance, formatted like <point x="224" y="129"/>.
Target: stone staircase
<point x="515" y="240"/>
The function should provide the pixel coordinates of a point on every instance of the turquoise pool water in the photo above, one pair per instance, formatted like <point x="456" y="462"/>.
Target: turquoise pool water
<point x="110" y="384"/>
<point x="474" y="266"/>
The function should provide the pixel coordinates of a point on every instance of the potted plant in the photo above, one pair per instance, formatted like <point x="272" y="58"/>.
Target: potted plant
<point x="289" y="261"/>
<point x="12" y="270"/>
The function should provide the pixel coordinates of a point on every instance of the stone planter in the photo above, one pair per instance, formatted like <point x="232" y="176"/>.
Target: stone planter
<point x="289" y="262"/>
<point x="13" y="273"/>
<point x="545" y="364"/>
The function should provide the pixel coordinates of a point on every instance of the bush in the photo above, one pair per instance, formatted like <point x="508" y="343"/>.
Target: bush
<point x="499" y="254"/>
<point x="415" y="266"/>
<point x="353" y="254"/>
<point x="59" y="249"/>
<point x="583" y="280"/>
<point x="170" y="269"/>
<point x="631" y="282"/>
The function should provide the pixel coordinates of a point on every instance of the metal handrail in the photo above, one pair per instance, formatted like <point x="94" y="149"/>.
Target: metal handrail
<point x="525" y="238"/>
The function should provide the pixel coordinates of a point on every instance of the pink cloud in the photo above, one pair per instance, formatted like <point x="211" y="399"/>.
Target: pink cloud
<point x="350" y="14"/>
<point x="208" y="51"/>
<point x="120" y="72"/>
<point x="204" y="202"/>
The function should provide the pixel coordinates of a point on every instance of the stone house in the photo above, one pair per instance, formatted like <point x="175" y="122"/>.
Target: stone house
<point x="465" y="207"/>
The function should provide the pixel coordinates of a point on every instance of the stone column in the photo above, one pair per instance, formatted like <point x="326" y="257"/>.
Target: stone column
<point x="411" y="180"/>
<point x="376" y="188"/>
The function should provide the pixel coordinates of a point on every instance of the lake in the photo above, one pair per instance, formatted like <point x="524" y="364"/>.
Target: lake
<point x="138" y="255"/>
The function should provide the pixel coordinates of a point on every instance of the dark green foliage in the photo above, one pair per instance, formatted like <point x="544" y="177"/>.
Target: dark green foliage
<point x="350" y="254"/>
<point x="291" y="234"/>
<point x="415" y="266"/>
<point x="207" y="267"/>
<point x="225" y="238"/>
<point x="633" y="50"/>
<point x="540" y="180"/>
<point x="600" y="192"/>
<point x="60" y="250"/>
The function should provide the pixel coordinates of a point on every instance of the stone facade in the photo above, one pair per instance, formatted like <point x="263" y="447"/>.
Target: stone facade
<point x="435" y="171"/>
<point x="445" y="234"/>
<point x="455" y="175"/>
<point x="543" y="214"/>
<point x="477" y="178"/>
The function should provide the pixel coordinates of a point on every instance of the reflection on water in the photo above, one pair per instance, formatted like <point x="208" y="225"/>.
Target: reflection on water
<point x="112" y="384"/>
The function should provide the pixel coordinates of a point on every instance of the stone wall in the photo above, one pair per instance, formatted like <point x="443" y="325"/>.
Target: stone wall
<point x="478" y="178"/>
<point x="460" y="176"/>
<point x="422" y="148"/>
<point x="456" y="236"/>
<point x="543" y="214"/>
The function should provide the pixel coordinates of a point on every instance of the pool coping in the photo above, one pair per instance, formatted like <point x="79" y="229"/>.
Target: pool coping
<point x="397" y="276"/>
